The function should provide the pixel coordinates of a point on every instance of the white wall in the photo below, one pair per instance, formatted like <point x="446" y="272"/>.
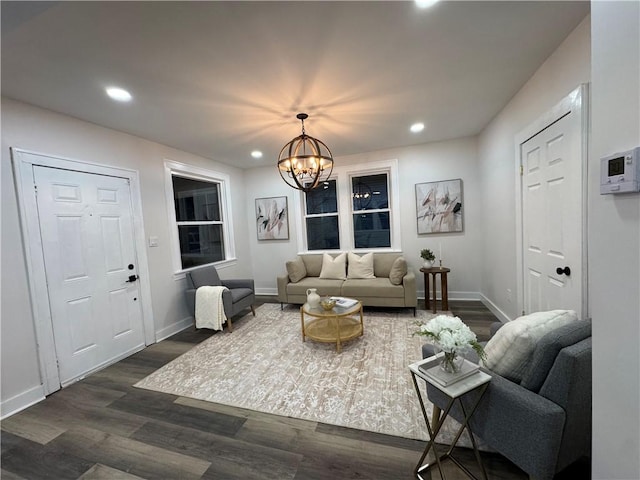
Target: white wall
<point x="563" y="71"/>
<point x="35" y="129"/>
<point x="418" y="164"/>
<point x="614" y="243"/>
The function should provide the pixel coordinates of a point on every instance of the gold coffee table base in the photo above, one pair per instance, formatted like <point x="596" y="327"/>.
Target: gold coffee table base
<point x="333" y="326"/>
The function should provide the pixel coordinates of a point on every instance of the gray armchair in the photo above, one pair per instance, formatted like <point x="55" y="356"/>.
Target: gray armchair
<point x="239" y="296"/>
<point x="542" y="424"/>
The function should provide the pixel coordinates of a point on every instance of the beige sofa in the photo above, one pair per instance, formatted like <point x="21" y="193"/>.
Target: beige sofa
<point x="377" y="292"/>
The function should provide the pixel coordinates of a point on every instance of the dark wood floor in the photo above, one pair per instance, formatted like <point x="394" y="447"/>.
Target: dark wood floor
<point x="104" y="428"/>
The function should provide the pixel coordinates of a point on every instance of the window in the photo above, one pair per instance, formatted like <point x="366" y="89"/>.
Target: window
<point x="201" y="216"/>
<point x="353" y="210"/>
<point x="370" y="211"/>
<point x="321" y="217"/>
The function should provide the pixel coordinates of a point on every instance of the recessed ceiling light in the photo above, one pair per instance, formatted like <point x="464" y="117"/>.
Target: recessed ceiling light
<point x="425" y="3"/>
<point x="118" y="94"/>
<point x="417" y="127"/>
<point x="256" y="154"/>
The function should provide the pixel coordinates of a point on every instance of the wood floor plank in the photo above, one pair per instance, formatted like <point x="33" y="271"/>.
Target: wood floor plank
<point x="102" y="472"/>
<point x="7" y="475"/>
<point x="227" y="455"/>
<point x="32" y="428"/>
<point x="85" y="394"/>
<point x="298" y="423"/>
<point x="56" y="412"/>
<point x="34" y="461"/>
<point x="161" y="406"/>
<point x="129" y="455"/>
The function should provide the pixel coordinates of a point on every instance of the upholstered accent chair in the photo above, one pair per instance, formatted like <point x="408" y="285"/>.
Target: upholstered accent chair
<point x="239" y="296"/>
<point x="543" y="422"/>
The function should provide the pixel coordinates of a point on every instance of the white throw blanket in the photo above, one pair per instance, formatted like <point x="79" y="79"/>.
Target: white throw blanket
<point x="209" y="307"/>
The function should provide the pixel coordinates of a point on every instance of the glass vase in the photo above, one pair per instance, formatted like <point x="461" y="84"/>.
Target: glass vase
<point x="451" y="362"/>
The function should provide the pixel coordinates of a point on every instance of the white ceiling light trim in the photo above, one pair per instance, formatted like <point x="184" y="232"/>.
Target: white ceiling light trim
<point x="256" y="154"/>
<point x="118" y="94"/>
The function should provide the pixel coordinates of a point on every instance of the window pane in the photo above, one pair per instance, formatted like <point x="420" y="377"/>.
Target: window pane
<point x="200" y="244"/>
<point x="195" y="200"/>
<point x="370" y="192"/>
<point x="322" y="233"/>
<point x="371" y="230"/>
<point x="322" y="199"/>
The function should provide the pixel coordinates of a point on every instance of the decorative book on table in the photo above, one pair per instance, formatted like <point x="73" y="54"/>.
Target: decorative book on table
<point x="344" y="302"/>
<point x="437" y="374"/>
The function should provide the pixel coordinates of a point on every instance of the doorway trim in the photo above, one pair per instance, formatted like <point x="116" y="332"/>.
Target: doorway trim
<point x="578" y="102"/>
<point x="23" y="163"/>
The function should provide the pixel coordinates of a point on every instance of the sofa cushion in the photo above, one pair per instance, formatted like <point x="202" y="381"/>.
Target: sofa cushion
<point x="313" y="264"/>
<point x="334" y="268"/>
<point x="511" y="348"/>
<point x="360" y="266"/>
<point x="398" y="271"/>
<point x="296" y="270"/>
<point x="382" y="263"/>
<point x="547" y="350"/>
<point x="371" y="287"/>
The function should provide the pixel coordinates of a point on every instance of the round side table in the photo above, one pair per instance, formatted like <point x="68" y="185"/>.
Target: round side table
<point x="433" y="271"/>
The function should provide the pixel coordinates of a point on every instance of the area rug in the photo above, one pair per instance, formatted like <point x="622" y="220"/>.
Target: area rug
<point x="265" y="366"/>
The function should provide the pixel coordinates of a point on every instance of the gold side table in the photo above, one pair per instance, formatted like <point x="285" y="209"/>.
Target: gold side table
<point x="337" y="325"/>
<point x="479" y="380"/>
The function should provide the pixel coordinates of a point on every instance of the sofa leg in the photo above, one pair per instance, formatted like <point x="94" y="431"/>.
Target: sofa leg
<point x="230" y="325"/>
<point x="414" y="311"/>
<point x="281" y="306"/>
<point x="253" y="311"/>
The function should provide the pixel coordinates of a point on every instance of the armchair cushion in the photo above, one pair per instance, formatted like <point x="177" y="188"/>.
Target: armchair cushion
<point x="510" y="350"/>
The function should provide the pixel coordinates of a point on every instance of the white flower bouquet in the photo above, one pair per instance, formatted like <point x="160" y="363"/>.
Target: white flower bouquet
<point x="452" y="336"/>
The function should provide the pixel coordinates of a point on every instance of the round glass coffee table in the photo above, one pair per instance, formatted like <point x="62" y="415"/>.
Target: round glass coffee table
<point x="337" y="325"/>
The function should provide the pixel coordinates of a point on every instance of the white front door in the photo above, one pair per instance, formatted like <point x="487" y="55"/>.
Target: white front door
<point x="552" y="219"/>
<point x="89" y="252"/>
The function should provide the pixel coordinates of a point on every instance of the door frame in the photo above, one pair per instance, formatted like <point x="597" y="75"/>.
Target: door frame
<point x="578" y="102"/>
<point x="23" y="163"/>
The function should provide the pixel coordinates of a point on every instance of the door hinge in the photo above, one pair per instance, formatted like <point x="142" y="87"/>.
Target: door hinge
<point x="35" y="188"/>
<point x="521" y="170"/>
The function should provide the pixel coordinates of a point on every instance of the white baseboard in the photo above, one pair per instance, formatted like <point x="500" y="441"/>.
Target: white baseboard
<point x="503" y="317"/>
<point x="23" y="400"/>
<point x="454" y="295"/>
<point x="174" y="328"/>
<point x="266" y="291"/>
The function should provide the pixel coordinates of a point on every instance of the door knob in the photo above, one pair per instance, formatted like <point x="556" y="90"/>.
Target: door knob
<point x="565" y="270"/>
<point x="132" y="278"/>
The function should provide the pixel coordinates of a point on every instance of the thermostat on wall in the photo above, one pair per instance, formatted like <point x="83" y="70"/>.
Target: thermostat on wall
<point x="620" y="173"/>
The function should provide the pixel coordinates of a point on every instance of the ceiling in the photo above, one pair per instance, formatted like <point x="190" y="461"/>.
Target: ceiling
<point x="220" y="79"/>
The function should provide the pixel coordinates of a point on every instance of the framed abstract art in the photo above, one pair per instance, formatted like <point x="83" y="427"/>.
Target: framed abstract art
<point x="272" y="218"/>
<point x="439" y="206"/>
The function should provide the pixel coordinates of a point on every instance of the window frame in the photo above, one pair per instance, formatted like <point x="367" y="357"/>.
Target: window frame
<point x="353" y="212"/>
<point x="343" y="176"/>
<point x="223" y="181"/>
<point x="336" y="214"/>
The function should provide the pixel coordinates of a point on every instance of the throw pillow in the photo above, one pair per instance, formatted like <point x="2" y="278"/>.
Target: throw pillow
<point x="296" y="270"/>
<point x="398" y="271"/>
<point x="360" y="267"/>
<point x="334" y="268"/>
<point x="510" y="350"/>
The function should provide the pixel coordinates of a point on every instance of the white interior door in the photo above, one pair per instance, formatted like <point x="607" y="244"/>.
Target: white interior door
<point x="86" y="227"/>
<point x="552" y="219"/>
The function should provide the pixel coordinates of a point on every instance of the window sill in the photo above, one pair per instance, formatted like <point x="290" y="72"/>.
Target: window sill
<point x="180" y="275"/>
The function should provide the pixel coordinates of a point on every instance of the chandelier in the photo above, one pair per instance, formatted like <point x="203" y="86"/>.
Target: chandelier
<point x="305" y="161"/>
